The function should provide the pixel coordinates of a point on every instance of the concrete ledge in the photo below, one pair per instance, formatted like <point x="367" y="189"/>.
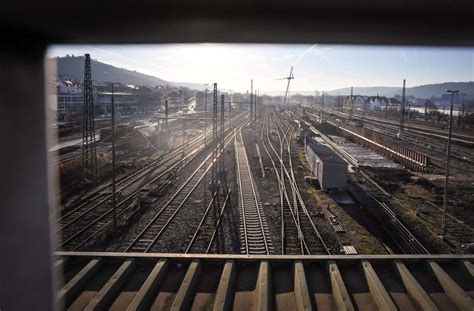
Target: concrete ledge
<point x="70" y="291"/>
<point x="420" y="257"/>
<point x="224" y="295"/>
<point x="414" y="288"/>
<point x="377" y="290"/>
<point x="149" y="287"/>
<point x="263" y="287"/>
<point x="59" y="265"/>
<point x="339" y="290"/>
<point x="469" y="266"/>
<point x="186" y="290"/>
<point x="452" y="289"/>
<point x="303" y="301"/>
<point x="108" y="292"/>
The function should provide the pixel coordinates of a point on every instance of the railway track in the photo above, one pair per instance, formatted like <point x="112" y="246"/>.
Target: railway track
<point x="456" y="228"/>
<point x="207" y="232"/>
<point x="88" y="220"/>
<point x="165" y="218"/>
<point x="70" y="182"/>
<point x="405" y="239"/>
<point x="255" y="237"/>
<point x="158" y="224"/>
<point x="426" y="131"/>
<point x="435" y="148"/>
<point x="299" y="234"/>
<point x="76" y="154"/>
<point x="102" y="217"/>
<point x="103" y="196"/>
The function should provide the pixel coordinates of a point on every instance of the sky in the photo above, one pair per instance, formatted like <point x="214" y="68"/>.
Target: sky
<point x="316" y="66"/>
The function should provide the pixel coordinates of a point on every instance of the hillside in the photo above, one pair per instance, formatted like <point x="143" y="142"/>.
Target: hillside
<point x="421" y="91"/>
<point x="72" y="67"/>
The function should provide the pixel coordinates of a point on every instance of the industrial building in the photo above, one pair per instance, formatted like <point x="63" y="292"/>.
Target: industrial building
<point x="329" y="168"/>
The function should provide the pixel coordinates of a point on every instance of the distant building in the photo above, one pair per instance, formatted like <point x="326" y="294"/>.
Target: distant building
<point x="375" y="103"/>
<point x="358" y="102"/>
<point x="125" y="103"/>
<point x="458" y="99"/>
<point x="69" y="99"/>
<point x="176" y="100"/>
<point x="329" y="168"/>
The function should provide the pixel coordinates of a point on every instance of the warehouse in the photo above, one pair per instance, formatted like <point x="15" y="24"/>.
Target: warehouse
<point x="329" y="168"/>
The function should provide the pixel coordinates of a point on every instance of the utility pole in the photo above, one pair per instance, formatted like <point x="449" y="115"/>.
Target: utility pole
<point x="166" y="113"/>
<point x="222" y="170"/>
<point x="426" y="110"/>
<point x="89" y="152"/>
<point x="251" y="100"/>
<point x="402" y="110"/>
<point x="448" y="154"/>
<point x="352" y="103"/>
<point x="365" y="108"/>
<point x="255" y="115"/>
<point x="409" y="107"/>
<point x="444" y="114"/>
<point x="205" y="116"/>
<point x="339" y="104"/>
<point x="214" y="185"/>
<point x="205" y="144"/>
<point x="183" y="153"/>
<point x="114" y="200"/>
<point x="257" y="103"/>
<point x="462" y="116"/>
<point x="322" y="107"/>
<point x="230" y="113"/>
<point x="386" y="108"/>
<point x="222" y="132"/>
<point x="314" y="100"/>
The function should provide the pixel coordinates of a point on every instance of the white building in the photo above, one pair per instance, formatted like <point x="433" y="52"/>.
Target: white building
<point x="125" y="103"/>
<point x="69" y="98"/>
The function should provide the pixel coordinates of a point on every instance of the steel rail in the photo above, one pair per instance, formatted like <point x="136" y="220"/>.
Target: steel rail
<point x="148" y="169"/>
<point x="305" y="210"/>
<point x="121" y="203"/>
<point x="283" y="194"/>
<point x="218" y="222"/>
<point x="203" y="219"/>
<point x="242" y="160"/>
<point x="168" y="203"/>
<point x="404" y="232"/>
<point x="294" y="210"/>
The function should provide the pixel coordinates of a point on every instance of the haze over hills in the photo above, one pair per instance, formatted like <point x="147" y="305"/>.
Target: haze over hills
<point x="72" y="67"/>
<point x="421" y="91"/>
